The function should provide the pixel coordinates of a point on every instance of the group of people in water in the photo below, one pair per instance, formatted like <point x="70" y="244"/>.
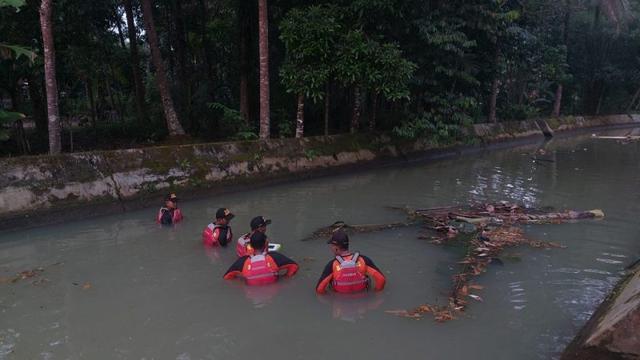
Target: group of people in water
<point x="259" y="262"/>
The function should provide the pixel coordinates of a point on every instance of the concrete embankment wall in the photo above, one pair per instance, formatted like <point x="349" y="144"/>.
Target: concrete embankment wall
<point x="41" y="189"/>
<point x="613" y="332"/>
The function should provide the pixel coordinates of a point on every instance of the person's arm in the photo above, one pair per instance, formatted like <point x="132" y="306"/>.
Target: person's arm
<point x="235" y="269"/>
<point x="374" y="273"/>
<point x="284" y="263"/>
<point x="167" y="217"/>
<point x="325" y="279"/>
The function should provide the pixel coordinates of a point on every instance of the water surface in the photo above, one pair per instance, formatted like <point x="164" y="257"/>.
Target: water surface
<point x="129" y="289"/>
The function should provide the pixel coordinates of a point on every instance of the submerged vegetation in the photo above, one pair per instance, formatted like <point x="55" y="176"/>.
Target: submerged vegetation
<point x="80" y="75"/>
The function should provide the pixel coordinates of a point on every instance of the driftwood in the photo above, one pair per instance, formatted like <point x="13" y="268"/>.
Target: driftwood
<point x="490" y="229"/>
<point x="495" y="227"/>
<point x="327" y="231"/>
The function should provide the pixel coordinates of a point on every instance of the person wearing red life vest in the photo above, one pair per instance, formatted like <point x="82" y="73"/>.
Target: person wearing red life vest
<point x="219" y="232"/>
<point x="261" y="267"/>
<point x="349" y="272"/>
<point x="170" y="213"/>
<point x="258" y="224"/>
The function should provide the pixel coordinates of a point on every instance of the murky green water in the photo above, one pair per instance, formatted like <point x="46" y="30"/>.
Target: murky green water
<point x="128" y="289"/>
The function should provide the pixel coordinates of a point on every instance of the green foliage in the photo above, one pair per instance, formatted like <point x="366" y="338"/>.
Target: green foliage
<point x="233" y="123"/>
<point x="7" y="119"/>
<point x="13" y="3"/>
<point x="310" y="36"/>
<point x="423" y="68"/>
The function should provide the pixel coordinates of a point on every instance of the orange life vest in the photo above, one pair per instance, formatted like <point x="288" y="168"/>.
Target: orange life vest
<point x="211" y="235"/>
<point x="260" y="270"/>
<point x="349" y="275"/>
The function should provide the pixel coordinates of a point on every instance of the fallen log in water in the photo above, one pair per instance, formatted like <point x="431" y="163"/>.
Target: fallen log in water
<point x="325" y="232"/>
<point x="495" y="228"/>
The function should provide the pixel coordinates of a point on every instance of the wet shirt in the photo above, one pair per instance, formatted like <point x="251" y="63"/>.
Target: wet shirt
<point x="371" y="269"/>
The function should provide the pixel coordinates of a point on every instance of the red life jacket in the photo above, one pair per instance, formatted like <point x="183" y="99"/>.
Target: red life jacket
<point x="260" y="270"/>
<point x="176" y="215"/>
<point x="349" y="276"/>
<point x="243" y="247"/>
<point x="211" y="235"/>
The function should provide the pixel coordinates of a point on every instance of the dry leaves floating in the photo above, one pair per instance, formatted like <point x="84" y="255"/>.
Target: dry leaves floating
<point x="490" y="228"/>
<point x="28" y="274"/>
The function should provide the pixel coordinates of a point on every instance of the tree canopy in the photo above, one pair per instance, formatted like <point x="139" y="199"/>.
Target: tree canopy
<point x="408" y="67"/>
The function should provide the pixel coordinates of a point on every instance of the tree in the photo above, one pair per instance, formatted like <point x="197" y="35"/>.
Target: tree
<point x="135" y="63"/>
<point x="46" y="11"/>
<point x="173" y="124"/>
<point x="310" y="36"/>
<point x="263" y="45"/>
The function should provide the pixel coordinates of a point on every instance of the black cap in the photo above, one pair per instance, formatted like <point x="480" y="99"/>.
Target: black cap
<point x="223" y="213"/>
<point x="258" y="240"/>
<point x="339" y="238"/>
<point x="171" y="197"/>
<point x="259" y="221"/>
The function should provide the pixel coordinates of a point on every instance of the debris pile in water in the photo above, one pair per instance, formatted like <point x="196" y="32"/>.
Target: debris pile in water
<point x="485" y="230"/>
<point x="491" y="228"/>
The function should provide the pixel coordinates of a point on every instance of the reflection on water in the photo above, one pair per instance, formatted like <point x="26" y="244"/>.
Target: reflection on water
<point x="157" y="293"/>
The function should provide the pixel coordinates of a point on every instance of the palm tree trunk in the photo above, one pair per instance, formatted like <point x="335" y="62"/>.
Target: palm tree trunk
<point x="46" y="12"/>
<point x="300" y="117"/>
<point x="244" y="62"/>
<point x="263" y="40"/>
<point x="495" y="86"/>
<point x="135" y="63"/>
<point x="173" y="124"/>
<point x="355" y="115"/>
<point x="633" y="100"/>
<point x="374" y="112"/>
<point x="557" y="102"/>
<point x="493" y="100"/>
<point x="327" y="109"/>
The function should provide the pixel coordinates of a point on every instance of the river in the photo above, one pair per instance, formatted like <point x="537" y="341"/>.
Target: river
<point x="122" y="287"/>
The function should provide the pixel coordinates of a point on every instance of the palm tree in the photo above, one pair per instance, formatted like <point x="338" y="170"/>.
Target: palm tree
<point x="175" y="129"/>
<point x="135" y="62"/>
<point x="46" y="26"/>
<point x="263" y="41"/>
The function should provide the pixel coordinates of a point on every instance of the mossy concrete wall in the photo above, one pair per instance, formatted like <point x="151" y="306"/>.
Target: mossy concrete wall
<point x="525" y="128"/>
<point x="613" y="332"/>
<point x="45" y="184"/>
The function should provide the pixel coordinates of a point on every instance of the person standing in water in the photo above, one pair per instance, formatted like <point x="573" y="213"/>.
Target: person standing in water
<point x="219" y="232"/>
<point x="261" y="267"/>
<point x="258" y="224"/>
<point x="349" y="272"/>
<point x="170" y="213"/>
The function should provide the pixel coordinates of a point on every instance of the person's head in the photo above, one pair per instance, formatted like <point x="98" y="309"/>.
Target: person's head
<point x="259" y="224"/>
<point x="171" y="201"/>
<point x="258" y="241"/>
<point x="223" y="216"/>
<point x="339" y="242"/>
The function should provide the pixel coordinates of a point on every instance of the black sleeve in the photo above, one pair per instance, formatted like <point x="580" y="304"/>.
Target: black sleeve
<point x="370" y="263"/>
<point x="280" y="259"/>
<point x="236" y="266"/>
<point x="167" y="217"/>
<point x="328" y="270"/>
<point x="222" y="237"/>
